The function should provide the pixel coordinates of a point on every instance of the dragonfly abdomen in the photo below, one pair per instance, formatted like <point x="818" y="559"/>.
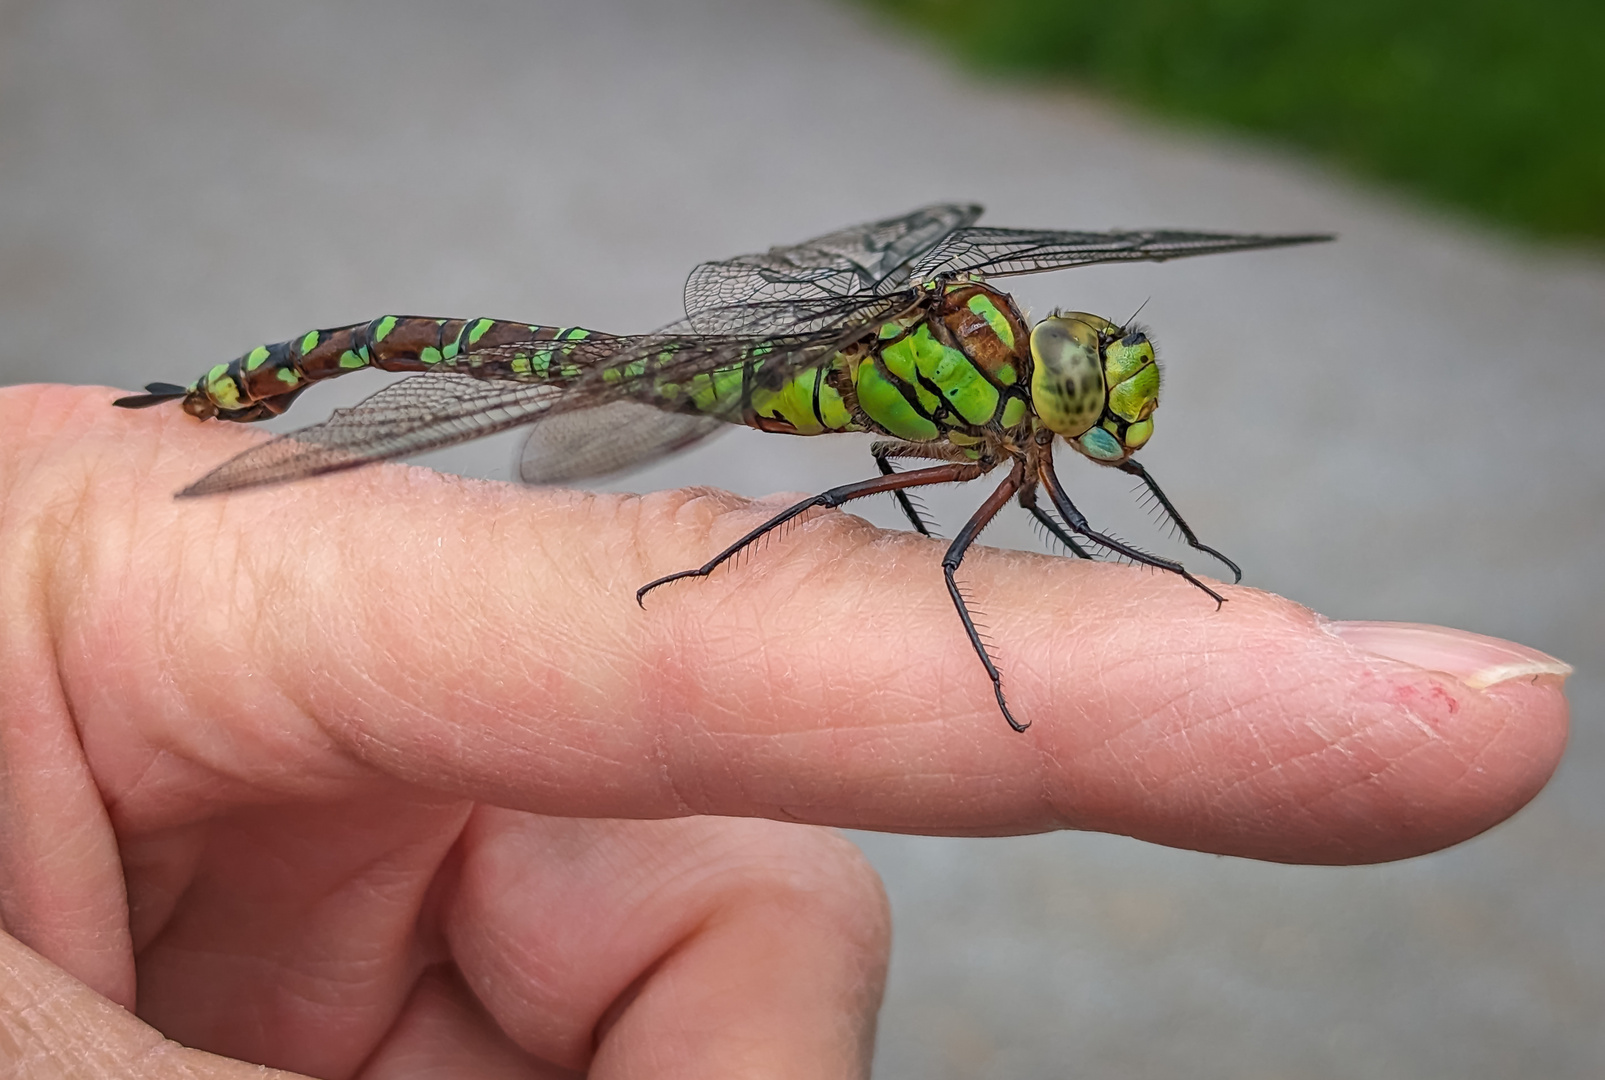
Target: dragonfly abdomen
<point x="263" y="382"/>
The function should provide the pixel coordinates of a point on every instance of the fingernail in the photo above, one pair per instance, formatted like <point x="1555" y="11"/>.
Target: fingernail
<point x="1474" y="659"/>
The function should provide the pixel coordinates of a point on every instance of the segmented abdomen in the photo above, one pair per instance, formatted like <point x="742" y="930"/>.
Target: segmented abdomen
<point x="264" y="381"/>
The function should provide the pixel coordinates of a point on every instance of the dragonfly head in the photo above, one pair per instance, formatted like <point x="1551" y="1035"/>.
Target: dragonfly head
<point x="1095" y="383"/>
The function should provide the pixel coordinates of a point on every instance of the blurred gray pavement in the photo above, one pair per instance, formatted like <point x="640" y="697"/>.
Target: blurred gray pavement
<point x="1403" y="425"/>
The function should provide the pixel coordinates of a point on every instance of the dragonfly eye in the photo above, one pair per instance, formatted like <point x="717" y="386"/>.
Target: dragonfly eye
<point x="1067" y="388"/>
<point x="1132" y="372"/>
<point x="1132" y="375"/>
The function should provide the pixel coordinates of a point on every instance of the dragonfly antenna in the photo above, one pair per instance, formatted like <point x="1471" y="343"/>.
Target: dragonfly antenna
<point x="1127" y="324"/>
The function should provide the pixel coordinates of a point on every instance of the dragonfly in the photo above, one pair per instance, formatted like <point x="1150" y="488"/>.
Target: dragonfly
<point x="891" y="327"/>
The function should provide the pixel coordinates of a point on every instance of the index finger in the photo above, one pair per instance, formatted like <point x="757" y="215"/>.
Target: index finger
<point x="483" y="640"/>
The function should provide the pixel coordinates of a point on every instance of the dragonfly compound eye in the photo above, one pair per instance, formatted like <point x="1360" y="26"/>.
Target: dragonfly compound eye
<point x="1132" y="373"/>
<point x="1067" y="389"/>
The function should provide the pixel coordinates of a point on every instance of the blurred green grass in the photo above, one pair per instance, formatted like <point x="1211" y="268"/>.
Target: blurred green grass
<point x="1496" y="107"/>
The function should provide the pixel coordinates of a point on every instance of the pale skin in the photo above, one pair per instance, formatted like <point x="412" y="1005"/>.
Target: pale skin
<point x="387" y="775"/>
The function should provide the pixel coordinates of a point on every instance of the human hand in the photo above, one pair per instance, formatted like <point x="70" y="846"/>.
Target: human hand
<point x="386" y="772"/>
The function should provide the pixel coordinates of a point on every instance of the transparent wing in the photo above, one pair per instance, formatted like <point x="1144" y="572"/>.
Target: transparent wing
<point x="607" y="440"/>
<point x="787" y="337"/>
<point x="873" y="259"/>
<point x="1001" y="252"/>
<point x="445" y="407"/>
<point x="423" y="412"/>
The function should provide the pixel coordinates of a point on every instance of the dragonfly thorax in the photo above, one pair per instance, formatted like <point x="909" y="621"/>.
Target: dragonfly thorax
<point x="1095" y="383"/>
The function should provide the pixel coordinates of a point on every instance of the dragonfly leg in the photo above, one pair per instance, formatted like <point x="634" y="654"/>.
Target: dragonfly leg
<point x="1077" y="521"/>
<point x="950" y="565"/>
<point x="1135" y="469"/>
<point x="1028" y="499"/>
<point x="956" y="472"/>
<point x="883" y="453"/>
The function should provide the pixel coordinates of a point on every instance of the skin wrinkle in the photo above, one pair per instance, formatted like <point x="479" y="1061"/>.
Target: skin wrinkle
<point x="1368" y="776"/>
<point x="1434" y="741"/>
<point x="43" y="902"/>
<point x="1232" y="712"/>
<point x="670" y="717"/>
<point x="1326" y="750"/>
<point x="1271" y="767"/>
<point x="314" y="985"/>
<point x="1473" y="765"/>
<point x="1181" y="724"/>
<point x="1106" y="672"/>
<point x="1281" y="766"/>
<point x="175" y="632"/>
<point x="393" y="699"/>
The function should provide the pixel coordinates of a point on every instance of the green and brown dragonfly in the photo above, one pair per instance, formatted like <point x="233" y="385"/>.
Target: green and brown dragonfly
<point x="890" y="327"/>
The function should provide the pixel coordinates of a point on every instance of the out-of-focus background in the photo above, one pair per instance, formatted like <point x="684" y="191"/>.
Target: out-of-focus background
<point x="1402" y="425"/>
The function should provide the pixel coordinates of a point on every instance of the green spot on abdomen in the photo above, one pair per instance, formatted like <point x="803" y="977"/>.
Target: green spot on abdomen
<point x="635" y="369"/>
<point x="351" y="360"/>
<point x="833" y="409"/>
<point x="382" y="331"/>
<point x="429" y="355"/>
<point x="221" y="387"/>
<point x="309" y="342"/>
<point x="255" y="357"/>
<point x="793" y="403"/>
<point x="715" y="392"/>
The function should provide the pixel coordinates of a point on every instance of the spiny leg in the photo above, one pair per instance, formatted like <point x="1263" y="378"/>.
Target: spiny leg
<point x="882" y="453"/>
<point x="1135" y="469"/>
<point x="956" y="472"/>
<point x="1028" y="499"/>
<point x="1077" y="521"/>
<point x="950" y="564"/>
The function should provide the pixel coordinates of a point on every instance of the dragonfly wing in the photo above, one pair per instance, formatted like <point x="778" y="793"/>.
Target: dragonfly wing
<point x="769" y="343"/>
<point x="424" y="412"/>
<point x="808" y="336"/>
<point x="1001" y="252"/>
<point x="607" y="440"/>
<point x="873" y="258"/>
<point x="445" y="407"/>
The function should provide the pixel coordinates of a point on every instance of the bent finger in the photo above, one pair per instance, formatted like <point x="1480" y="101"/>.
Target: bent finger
<point x="697" y="947"/>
